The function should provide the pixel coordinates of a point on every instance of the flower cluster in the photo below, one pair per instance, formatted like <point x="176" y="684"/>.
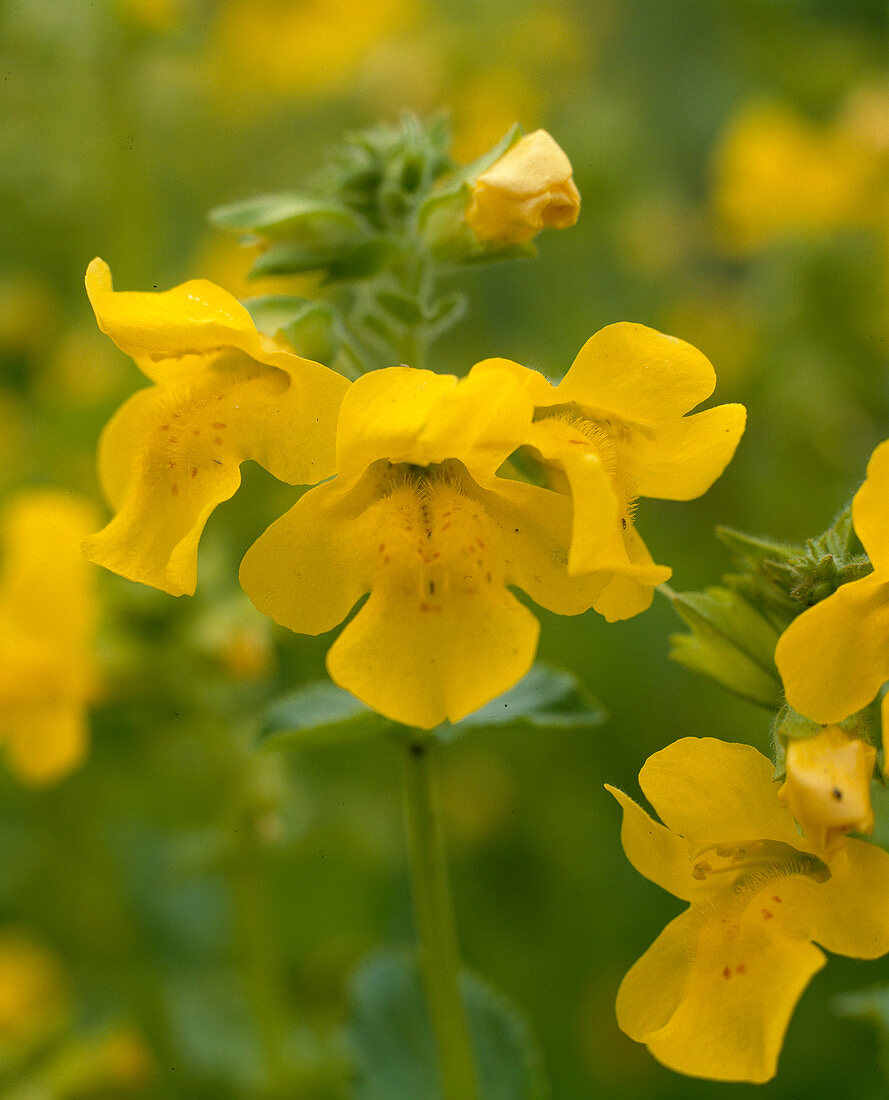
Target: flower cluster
<point x="426" y="511"/>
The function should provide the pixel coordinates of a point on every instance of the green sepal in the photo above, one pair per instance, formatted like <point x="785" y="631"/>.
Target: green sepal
<point x="322" y="713"/>
<point x="731" y="642"/>
<point x="393" y="1048"/>
<point x="292" y="215"/>
<point x="441" y="220"/>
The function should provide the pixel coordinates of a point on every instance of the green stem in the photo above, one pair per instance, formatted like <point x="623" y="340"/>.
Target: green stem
<point x="439" y="953"/>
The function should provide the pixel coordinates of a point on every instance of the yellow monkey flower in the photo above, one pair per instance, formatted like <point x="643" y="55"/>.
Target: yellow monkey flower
<point x="47" y="618"/>
<point x="528" y="189"/>
<point x="224" y="393"/>
<point x="417" y="517"/>
<point x="834" y="657"/>
<point x="776" y="175"/>
<point x="613" y="430"/>
<point x="713" y="995"/>
<point x="827" y="788"/>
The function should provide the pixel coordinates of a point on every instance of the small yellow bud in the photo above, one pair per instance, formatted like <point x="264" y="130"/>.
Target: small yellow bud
<point x="827" y="788"/>
<point x="530" y="188"/>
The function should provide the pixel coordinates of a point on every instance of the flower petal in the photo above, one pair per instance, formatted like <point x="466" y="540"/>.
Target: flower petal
<point x="172" y="453"/>
<point x="870" y="509"/>
<point x="159" y="330"/>
<point x="631" y="589"/>
<point x="657" y="983"/>
<point x="420" y="662"/>
<point x="745" y="981"/>
<point x="177" y="334"/>
<point x="710" y="790"/>
<point x="848" y="914"/>
<point x="660" y="855"/>
<point x="422" y="418"/>
<point x="834" y="657"/>
<point x="535" y="530"/>
<point x="307" y="570"/>
<point x="639" y="374"/>
<point x="680" y="459"/>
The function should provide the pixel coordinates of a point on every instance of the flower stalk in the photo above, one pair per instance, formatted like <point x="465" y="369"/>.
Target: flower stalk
<point x="439" y="952"/>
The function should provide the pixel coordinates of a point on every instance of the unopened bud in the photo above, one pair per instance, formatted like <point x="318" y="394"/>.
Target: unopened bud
<point x="528" y="189"/>
<point x="827" y="786"/>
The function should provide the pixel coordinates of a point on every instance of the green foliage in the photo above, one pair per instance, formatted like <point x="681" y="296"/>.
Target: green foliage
<point x="394" y="1050"/>
<point x="735" y="627"/>
<point x="323" y="713"/>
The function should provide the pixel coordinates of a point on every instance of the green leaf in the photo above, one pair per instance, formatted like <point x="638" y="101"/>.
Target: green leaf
<point x="289" y="215"/>
<point x="294" y="257"/>
<point x="393" y="1046"/>
<point x="546" y="698"/>
<point x="320" y="713"/>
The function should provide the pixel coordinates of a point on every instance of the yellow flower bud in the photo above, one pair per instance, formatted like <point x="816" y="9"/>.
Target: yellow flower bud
<point x="529" y="188"/>
<point x="827" y="788"/>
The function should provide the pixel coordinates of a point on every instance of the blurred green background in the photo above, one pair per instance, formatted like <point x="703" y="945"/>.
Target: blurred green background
<point x="733" y="157"/>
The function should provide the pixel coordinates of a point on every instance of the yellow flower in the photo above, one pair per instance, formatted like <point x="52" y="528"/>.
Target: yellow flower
<point x="834" y="657"/>
<point x="529" y="188"/>
<point x="713" y="995"/>
<point x="417" y="517"/>
<point x="614" y="430"/>
<point x="47" y="618"/>
<point x="34" y="998"/>
<point x="827" y="788"/>
<point x="778" y="174"/>
<point x="224" y="393"/>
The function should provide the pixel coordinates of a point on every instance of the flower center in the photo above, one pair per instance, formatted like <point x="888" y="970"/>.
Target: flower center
<point x="431" y="536"/>
<point x="752" y="862"/>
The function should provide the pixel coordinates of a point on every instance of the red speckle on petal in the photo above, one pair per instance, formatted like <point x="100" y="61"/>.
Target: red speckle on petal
<point x="727" y="972"/>
<point x="218" y="426"/>
<point x="218" y="440"/>
<point x="194" y="471"/>
<point x="776" y="898"/>
<point x="740" y="969"/>
<point x="766" y="915"/>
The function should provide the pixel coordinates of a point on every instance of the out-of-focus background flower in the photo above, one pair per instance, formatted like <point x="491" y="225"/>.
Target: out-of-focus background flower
<point x="176" y="892"/>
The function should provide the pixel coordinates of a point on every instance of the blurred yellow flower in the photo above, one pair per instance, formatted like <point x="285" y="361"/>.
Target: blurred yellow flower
<point x="713" y="995"/>
<point x="827" y="785"/>
<point x="417" y="517"/>
<point x="485" y="104"/>
<point x="528" y="189"/>
<point x="48" y="611"/>
<point x="224" y="393"/>
<point x="281" y="48"/>
<point x="777" y="174"/>
<point x="34" y="999"/>
<point x="613" y="430"/>
<point x="834" y="657"/>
